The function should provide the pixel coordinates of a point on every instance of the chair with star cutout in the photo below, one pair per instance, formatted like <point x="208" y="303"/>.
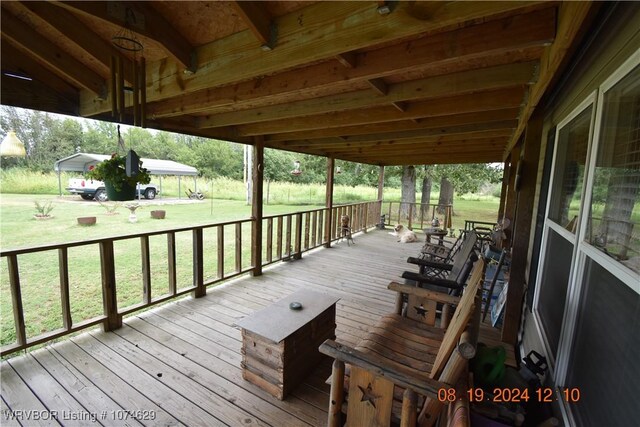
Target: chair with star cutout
<point x="397" y="369"/>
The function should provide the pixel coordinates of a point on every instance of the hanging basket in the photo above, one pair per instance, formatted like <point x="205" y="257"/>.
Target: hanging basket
<point x="127" y="192"/>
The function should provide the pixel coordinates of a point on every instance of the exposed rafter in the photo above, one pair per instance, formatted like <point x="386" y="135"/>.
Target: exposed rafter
<point x="74" y="29"/>
<point x="257" y="17"/>
<point x="51" y="55"/>
<point x="155" y="26"/>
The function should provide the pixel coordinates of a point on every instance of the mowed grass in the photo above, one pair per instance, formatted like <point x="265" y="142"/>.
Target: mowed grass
<point x="39" y="272"/>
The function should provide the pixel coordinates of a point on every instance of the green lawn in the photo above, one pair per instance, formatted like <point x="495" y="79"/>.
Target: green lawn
<point x="39" y="272"/>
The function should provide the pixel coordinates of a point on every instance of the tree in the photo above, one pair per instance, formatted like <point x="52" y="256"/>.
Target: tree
<point x="425" y="198"/>
<point x="446" y="194"/>
<point x="408" y="190"/>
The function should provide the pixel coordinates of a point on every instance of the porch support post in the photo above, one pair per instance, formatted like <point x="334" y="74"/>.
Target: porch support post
<point x="257" y="172"/>
<point x="113" y="320"/>
<point x="510" y="200"/>
<point x="506" y="171"/>
<point x="380" y="184"/>
<point x="523" y="216"/>
<point x="329" y="202"/>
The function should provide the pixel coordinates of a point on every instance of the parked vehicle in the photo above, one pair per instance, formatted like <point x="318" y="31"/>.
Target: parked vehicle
<point x="90" y="189"/>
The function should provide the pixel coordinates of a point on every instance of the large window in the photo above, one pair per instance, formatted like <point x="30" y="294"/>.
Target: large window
<point x="614" y="218"/>
<point x="568" y="178"/>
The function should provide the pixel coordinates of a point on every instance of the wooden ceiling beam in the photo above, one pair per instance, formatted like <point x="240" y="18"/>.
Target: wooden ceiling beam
<point x="424" y="123"/>
<point x="490" y="100"/>
<point x="377" y="141"/>
<point x="51" y="55"/>
<point x="16" y="61"/>
<point x="502" y="76"/>
<point x="379" y="86"/>
<point x="36" y="95"/>
<point x="571" y="19"/>
<point x="72" y="28"/>
<point x="491" y="42"/>
<point x="257" y="18"/>
<point x="151" y="24"/>
<point x="231" y="60"/>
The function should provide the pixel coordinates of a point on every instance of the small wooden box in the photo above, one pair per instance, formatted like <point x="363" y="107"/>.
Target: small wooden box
<point x="280" y="345"/>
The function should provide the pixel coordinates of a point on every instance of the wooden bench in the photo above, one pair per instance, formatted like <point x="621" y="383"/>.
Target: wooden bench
<point x="405" y="355"/>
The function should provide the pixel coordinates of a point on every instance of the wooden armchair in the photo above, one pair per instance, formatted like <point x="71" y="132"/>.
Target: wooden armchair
<point x="404" y="355"/>
<point x="451" y="276"/>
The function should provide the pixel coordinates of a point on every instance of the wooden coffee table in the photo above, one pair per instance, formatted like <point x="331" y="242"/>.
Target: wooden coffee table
<point x="280" y="345"/>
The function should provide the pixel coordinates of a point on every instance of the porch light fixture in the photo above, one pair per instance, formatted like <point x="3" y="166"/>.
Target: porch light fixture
<point x="11" y="146"/>
<point x="296" y="168"/>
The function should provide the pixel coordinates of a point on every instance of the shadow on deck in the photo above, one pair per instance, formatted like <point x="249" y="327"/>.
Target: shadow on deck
<point x="180" y="363"/>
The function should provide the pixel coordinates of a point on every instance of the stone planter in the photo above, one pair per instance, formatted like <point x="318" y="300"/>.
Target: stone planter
<point x="159" y="214"/>
<point x="87" y="220"/>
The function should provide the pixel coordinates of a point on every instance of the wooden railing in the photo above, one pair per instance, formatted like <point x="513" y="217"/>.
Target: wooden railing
<point x="415" y="215"/>
<point x="214" y="252"/>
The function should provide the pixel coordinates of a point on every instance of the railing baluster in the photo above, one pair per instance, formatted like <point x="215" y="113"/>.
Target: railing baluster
<point x="279" y="238"/>
<point x="389" y="219"/>
<point x="238" y="247"/>
<point x="269" y="240"/>
<point x="109" y="297"/>
<point x="314" y="226"/>
<point x="220" y="251"/>
<point x="171" y="260"/>
<point x="63" y="268"/>
<point x="298" y="238"/>
<point x="320" y="227"/>
<point x="16" y="300"/>
<point x="198" y="267"/>
<point x="146" y="269"/>
<point x="288" y="237"/>
<point x="366" y="217"/>
<point x="307" y="218"/>
<point x="410" y="219"/>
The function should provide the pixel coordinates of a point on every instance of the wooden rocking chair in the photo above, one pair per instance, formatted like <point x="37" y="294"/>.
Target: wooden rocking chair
<point x="405" y="356"/>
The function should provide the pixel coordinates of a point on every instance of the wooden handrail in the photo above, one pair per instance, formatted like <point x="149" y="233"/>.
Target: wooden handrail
<point x="307" y="232"/>
<point x="416" y="210"/>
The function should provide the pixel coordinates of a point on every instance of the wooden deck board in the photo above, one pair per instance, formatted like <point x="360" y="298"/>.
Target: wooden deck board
<point x="195" y="344"/>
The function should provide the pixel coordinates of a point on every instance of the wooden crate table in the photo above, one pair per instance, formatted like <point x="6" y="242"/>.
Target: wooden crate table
<point x="280" y="345"/>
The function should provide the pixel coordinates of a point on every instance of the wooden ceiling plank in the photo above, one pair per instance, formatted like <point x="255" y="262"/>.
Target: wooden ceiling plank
<point x="50" y="54"/>
<point x="74" y="29"/>
<point x="571" y="18"/>
<point x="490" y="100"/>
<point x="509" y="75"/>
<point x="303" y="41"/>
<point x="426" y="123"/>
<point x="156" y="27"/>
<point x="257" y="18"/>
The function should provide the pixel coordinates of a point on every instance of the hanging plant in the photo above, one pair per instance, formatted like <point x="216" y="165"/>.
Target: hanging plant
<point x="113" y="171"/>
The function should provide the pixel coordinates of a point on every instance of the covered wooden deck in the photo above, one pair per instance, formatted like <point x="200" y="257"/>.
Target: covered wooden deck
<point x="180" y="363"/>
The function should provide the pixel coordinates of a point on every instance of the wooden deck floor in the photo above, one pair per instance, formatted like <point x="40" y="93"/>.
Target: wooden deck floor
<point x="180" y="363"/>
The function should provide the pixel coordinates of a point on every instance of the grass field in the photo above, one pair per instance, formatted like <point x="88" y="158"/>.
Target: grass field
<point x="39" y="272"/>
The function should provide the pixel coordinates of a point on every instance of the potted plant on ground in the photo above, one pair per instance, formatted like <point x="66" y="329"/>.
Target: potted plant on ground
<point x="119" y="186"/>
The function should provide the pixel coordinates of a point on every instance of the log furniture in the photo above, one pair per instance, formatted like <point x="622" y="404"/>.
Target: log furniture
<point x="280" y="342"/>
<point x="405" y="355"/>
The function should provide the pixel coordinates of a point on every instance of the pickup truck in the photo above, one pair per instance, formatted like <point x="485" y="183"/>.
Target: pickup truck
<point x="90" y="189"/>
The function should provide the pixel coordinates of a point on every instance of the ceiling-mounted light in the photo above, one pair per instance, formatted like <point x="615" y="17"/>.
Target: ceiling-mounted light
<point x="11" y="146"/>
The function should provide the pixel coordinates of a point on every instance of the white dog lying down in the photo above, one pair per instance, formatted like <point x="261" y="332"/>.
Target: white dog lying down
<point x="404" y="234"/>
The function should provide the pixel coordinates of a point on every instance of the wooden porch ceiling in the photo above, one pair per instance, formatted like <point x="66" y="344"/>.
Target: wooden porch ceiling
<point x="374" y="82"/>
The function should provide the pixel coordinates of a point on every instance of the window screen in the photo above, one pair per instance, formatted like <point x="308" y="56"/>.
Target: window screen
<point x="614" y="220"/>
<point x="568" y="178"/>
<point x="553" y="286"/>
<point x="604" y="362"/>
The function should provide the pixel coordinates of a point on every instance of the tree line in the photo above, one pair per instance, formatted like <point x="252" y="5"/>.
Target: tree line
<point x="49" y="138"/>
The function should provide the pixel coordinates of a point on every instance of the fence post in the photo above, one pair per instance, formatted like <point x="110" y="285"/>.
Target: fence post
<point x="329" y="202"/>
<point x="109" y="296"/>
<point x="198" y="267"/>
<point x="16" y="299"/>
